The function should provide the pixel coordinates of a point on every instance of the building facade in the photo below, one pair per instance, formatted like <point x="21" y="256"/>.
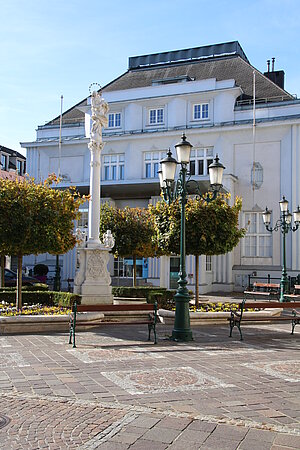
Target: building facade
<point x="226" y="107"/>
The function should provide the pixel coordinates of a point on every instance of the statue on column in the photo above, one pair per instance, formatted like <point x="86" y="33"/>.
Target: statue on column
<point x="93" y="280"/>
<point x="99" y="120"/>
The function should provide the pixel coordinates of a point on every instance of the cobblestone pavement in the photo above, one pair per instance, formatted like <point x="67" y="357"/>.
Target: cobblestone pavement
<point x="117" y="391"/>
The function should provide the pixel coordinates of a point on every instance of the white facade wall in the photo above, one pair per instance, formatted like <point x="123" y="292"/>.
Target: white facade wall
<point x="228" y="130"/>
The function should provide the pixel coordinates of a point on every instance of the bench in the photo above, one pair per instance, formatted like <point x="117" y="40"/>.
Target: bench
<point x="271" y="290"/>
<point x="295" y="295"/>
<point x="145" y="314"/>
<point x="237" y="317"/>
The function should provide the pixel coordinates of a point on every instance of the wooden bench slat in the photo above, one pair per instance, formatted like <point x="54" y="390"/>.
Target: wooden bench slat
<point x="270" y="304"/>
<point x="107" y="308"/>
<point x="149" y="310"/>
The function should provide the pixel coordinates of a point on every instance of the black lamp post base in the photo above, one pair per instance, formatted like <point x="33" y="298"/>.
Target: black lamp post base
<point x="182" y="335"/>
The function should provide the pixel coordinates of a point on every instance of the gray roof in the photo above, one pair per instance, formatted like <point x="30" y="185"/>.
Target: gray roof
<point x="222" y="68"/>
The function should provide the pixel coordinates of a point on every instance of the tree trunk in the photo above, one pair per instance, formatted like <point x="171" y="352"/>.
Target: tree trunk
<point x="2" y="275"/>
<point x="19" y="283"/>
<point x="197" y="281"/>
<point x="134" y="271"/>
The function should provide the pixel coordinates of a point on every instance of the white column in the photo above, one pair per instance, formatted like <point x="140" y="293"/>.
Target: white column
<point x="94" y="207"/>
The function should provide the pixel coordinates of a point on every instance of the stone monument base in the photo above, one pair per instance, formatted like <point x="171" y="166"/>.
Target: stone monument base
<point x="92" y="281"/>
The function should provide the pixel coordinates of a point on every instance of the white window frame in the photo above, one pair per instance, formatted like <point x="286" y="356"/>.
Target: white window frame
<point x="6" y="156"/>
<point x="83" y="220"/>
<point x="203" y="113"/>
<point x="21" y="162"/>
<point x="203" y="154"/>
<point x="151" y="162"/>
<point x="112" y="120"/>
<point x="113" y="167"/>
<point x="208" y="263"/>
<point x="155" y="113"/>
<point x="255" y="236"/>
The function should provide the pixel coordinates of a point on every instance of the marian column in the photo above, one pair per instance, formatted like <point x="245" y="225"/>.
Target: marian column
<point x="92" y="280"/>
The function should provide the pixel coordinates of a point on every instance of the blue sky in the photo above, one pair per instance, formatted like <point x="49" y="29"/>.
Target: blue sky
<point x="49" y="48"/>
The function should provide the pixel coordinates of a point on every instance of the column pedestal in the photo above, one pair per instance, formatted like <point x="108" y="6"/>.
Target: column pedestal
<point x="92" y="281"/>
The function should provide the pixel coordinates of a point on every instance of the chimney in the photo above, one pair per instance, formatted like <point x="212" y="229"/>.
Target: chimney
<point x="277" y="76"/>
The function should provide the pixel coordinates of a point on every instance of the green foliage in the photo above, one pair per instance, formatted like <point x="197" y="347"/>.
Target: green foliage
<point x="211" y="228"/>
<point x="132" y="228"/>
<point x="47" y="298"/>
<point x="36" y="287"/>
<point x="35" y="218"/>
<point x="162" y="296"/>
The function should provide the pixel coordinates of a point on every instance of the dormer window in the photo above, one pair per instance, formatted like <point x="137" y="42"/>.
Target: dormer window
<point x="200" y="111"/>
<point x="114" y="120"/>
<point x="156" y="116"/>
<point x="4" y="161"/>
<point x="19" y="167"/>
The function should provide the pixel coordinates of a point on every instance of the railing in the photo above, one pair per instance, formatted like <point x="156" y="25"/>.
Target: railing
<point x="279" y="98"/>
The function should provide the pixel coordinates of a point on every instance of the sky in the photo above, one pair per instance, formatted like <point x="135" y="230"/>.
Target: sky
<point x="59" y="47"/>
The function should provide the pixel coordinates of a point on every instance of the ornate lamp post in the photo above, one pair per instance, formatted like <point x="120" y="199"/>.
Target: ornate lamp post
<point x="172" y="190"/>
<point x="284" y="224"/>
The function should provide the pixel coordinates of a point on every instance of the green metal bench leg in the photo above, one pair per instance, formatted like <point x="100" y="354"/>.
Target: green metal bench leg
<point x="154" y="331"/>
<point x="239" y="328"/>
<point x="149" y="331"/>
<point x="70" y="335"/>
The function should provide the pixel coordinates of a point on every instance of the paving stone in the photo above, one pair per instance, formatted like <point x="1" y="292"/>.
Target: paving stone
<point x="249" y="444"/>
<point x="164" y="435"/>
<point x="228" y="432"/>
<point x="287" y="440"/>
<point x="218" y="444"/>
<point x="202" y="426"/>
<point x="260" y="435"/>
<point x="148" y="445"/>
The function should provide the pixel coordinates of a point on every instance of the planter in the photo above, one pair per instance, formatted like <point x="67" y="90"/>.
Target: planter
<point x="217" y="317"/>
<point x="41" y="324"/>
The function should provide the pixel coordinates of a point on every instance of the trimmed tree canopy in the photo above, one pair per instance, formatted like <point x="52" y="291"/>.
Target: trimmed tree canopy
<point x="35" y="218"/>
<point x="211" y="228"/>
<point x="132" y="228"/>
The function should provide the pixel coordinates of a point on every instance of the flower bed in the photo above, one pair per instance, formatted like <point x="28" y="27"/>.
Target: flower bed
<point x="217" y="307"/>
<point x="9" y="310"/>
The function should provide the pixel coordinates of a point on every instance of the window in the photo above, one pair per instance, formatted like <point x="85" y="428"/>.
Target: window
<point x="200" y="160"/>
<point x="4" y="161"/>
<point x="200" y="111"/>
<point x="152" y="160"/>
<point x="19" y="167"/>
<point x="123" y="267"/>
<point x="258" y="241"/>
<point x="113" y="167"/>
<point x="156" y="116"/>
<point x="114" y="120"/>
<point x="82" y="221"/>
<point x="208" y="263"/>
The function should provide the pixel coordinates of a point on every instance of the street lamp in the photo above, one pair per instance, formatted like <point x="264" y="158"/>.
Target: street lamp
<point x="284" y="224"/>
<point x="178" y="189"/>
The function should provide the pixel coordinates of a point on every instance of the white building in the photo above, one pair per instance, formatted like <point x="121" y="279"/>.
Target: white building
<point x="208" y="93"/>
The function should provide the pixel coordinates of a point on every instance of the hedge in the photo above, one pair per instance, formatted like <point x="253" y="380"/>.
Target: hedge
<point x="37" y="287"/>
<point x="164" y="297"/>
<point x="47" y="298"/>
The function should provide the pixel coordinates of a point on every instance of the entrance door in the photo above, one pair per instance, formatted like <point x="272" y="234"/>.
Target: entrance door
<point x="174" y="270"/>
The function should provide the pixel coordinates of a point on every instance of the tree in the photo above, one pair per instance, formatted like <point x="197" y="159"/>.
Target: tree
<point x="211" y="228"/>
<point x="133" y="230"/>
<point x="36" y="218"/>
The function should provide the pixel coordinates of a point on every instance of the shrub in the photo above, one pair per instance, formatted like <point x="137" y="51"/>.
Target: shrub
<point x="47" y="298"/>
<point x="162" y="296"/>
<point x="36" y="287"/>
